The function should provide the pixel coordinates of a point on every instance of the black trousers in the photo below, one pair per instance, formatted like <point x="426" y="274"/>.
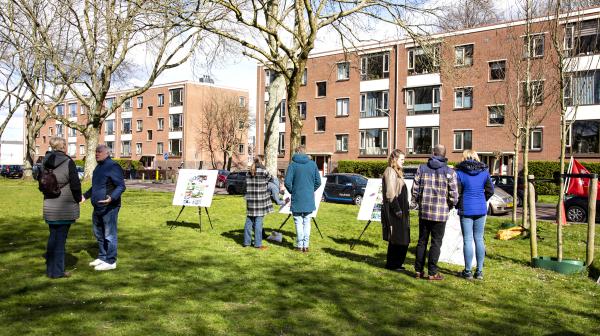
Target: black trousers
<point x="396" y="254"/>
<point x="436" y="230"/>
<point x="55" y="251"/>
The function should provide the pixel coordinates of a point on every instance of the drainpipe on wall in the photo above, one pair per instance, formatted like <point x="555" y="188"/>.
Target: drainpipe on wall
<point x="395" y="92"/>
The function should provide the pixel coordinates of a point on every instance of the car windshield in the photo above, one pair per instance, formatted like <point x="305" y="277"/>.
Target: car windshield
<point x="360" y="180"/>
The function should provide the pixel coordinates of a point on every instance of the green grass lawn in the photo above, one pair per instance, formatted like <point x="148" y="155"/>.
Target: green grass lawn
<point x="186" y="282"/>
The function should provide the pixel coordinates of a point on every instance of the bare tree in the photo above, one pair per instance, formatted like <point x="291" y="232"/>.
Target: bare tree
<point x="467" y="14"/>
<point x="91" y="44"/>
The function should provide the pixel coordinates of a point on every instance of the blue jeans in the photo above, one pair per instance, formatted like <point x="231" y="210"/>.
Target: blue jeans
<point x="55" y="251"/>
<point x="255" y="222"/>
<point x="105" y="230"/>
<point x="302" y="222"/>
<point x="274" y="190"/>
<point x="473" y="227"/>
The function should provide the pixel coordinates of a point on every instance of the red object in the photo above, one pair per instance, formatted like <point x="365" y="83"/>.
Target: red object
<point x="563" y="214"/>
<point x="579" y="186"/>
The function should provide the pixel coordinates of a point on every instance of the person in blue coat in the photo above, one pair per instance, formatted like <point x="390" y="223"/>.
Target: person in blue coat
<point x="475" y="188"/>
<point x="302" y="179"/>
<point x="107" y="186"/>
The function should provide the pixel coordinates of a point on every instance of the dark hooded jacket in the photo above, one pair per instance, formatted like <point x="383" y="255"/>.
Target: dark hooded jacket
<point x="302" y="179"/>
<point x="475" y="188"/>
<point x="66" y="206"/>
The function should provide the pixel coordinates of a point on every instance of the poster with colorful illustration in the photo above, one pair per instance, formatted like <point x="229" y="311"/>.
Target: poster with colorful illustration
<point x="195" y="187"/>
<point x="285" y="209"/>
<point x="370" y="208"/>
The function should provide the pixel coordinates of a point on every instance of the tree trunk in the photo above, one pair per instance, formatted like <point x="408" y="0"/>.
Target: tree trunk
<point x="271" y="145"/>
<point x="92" y="138"/>
<point x="515" y="192"/>
<point x="295" y="122"/>
<point x="224" y="160"/>
<point x="30" y="155"/>
<point x="525" y="176"/>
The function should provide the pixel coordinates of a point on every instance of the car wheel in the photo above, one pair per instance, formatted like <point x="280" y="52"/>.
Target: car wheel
<point x="519" y="201"/>
<point x="576" y="213"/>
<point x="323" y="198"/>
<point x="231" y="190"/>
<point x="358" y="199"/>
<point x="220" y="184"/>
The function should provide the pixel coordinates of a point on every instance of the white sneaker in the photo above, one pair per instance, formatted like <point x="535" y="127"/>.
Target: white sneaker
<point x="96" y="262"/>
<point x="106" y="266"/>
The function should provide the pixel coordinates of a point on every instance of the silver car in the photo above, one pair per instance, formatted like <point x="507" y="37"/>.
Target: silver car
<point x="500" y="203"/>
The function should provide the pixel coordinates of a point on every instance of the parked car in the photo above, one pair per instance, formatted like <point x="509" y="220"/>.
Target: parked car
<point x="500" y="203"/>
<point x="11" y="171"/>
<point x="409" y="172"/>
<point x="80" y="171"/>
<point x="222" y="177"/>
<point x="236" y="183"/>
<point x="506" y="183"/>
<point x="346" y="188"/>
<point x="576" y="209"/>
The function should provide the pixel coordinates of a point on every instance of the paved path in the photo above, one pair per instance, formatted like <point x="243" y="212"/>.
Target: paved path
<point x="545" y="211"/>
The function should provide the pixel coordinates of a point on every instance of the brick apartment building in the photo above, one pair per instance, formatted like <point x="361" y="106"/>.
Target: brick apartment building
<point x="460" y="90"/>
<point x="163" y="120"/>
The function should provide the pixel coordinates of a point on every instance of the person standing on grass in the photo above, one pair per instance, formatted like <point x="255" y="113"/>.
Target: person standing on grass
<point x="301" y="181"/>
<point x="62" y="211"/>
<point x="435" y="192"/>
<point x="395" y="216"/>
<point x="475" y="187"/>
<point x="258" y="203"/>
<point x="108" y="185"/>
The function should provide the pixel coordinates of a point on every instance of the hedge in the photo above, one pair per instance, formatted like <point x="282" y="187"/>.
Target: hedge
<point x="124" y="163"/>
<point x="373" y="168"/>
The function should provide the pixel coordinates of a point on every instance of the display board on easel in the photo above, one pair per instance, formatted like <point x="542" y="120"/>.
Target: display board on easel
<point x="195" y="188"/>
<point x="285" y="209"/>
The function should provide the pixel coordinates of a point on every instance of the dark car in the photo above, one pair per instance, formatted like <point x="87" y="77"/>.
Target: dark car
<point x="347" y="188"/>
<point x="576" y="209"/>
<point x="222" y="177"/>
<point x="236" y="182"/>
<point x="11" y="171"/>
<point x="506" y="183"/>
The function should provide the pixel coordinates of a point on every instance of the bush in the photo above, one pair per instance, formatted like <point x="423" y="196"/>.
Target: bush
<point x="124" y="163"/>
<point x="373" y="168"/>
<point x="547" y="188"/>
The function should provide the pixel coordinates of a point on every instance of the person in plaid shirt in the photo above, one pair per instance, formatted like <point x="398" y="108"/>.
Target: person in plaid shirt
<point x="258" y="203"/>
<point x="435" y="192"/>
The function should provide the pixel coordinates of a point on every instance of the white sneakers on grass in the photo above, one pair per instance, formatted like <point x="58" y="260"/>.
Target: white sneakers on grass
<point x="100" y="265"/>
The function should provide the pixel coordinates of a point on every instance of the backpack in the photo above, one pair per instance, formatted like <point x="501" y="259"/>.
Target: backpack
<point x="48" y="184"/>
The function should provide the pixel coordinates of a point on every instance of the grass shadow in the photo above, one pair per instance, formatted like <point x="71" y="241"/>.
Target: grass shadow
<point x="377" y="261"/>
<point x="173" y="224"/>
<point x="352" y="241"/>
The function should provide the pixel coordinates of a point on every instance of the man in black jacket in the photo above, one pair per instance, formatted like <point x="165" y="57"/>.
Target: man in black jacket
<point x="107" y="186"/>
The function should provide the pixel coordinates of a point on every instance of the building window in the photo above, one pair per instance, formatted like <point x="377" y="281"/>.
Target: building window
<point x="282" y="110"/>
<point x="127" y="106"/>
<point x="303" y="140"/>
<point x="581" y="38"/>
<point x="535" y="141"/>
<point x="582" y="88"/>
<point x="150" y="111"/>
<point x="139" y="125"/>
<point x="72" y="149"/>
<point x="138" y="148"/>
<point x="82" y="109"/>
<point x="281" y="143"/>
<point x="111" y="146"/>
<point x="373" y="142"/>
<point x="73" y="110"/>
<point x="176" y="97"/>
<point x="536" y="46"/>
<point x="320" y="124"/>
<point x="126" y="126"/>
<point x="176" y="122"/>
<point x="37" y="150"/>
<point x="175" y="147"/>
<point x="72" y="132"/>
<point x="342" y="106"/>
<point x="159" y="148"/>
<point x="242" y="101"/>
<point x="149" y="135"/>
<point x="161" y="99"/>
<point x="496" y="115"/>
<point x="109" y="102"/>
<point x="269" y="77"/>
<point x="60" y="110"/>
<point x="241" y="149"/>
<point x="422" y="61"/>
<point x="463" y="140"/>
<point x="140" y="102"/>
<point x="463" y="98"/>
<point x="341" y="143"/>
<point x="420" y="140"/>
<point x="585" y="136"/>
<point x="160" y="124"/>
<point x="81" y="149"/>
<point x="374" y="66"/>
<point x="50" y="131"/>
<point x="304" y="79"/>
<point x="241" y="124"/>
<point x="423" y="100"/>
<point x="109" y="127"/>
<point x="321" y="89"/>
<point x="497" y="70"/>
<point x="534" y="94"/>
<point x="302" y="110"/>
<point x="463" y="55"/>
<point x="374" y="104"/>
<point x="125" y="148"/>
<point x="343" y="71"/>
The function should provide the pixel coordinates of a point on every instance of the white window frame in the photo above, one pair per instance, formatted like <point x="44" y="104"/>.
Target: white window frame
<point x="160" y="124"/>
<point x="139" y="125"/>
<point x="123" y="148"/>
<point x="541" y="132"/>
<point x="128" y="104"/>
<point x="488" y="115"/>
<point x="161" y="99"/>
<point x="536" y="82"/>
<point x="345" y="107"/>
<point x="242" y="101"/>
<point x="81" y="149"/>
<point x="138" y="148"/>
<point x="304" y="79"/>
<point x="568" y="136"/>
<point x="533" y="45"/>
<point x="409" y="140"/>
<point x="461" y="132"/>
<point x="566" y="46"/>
<point x="490" y="70"/>
<point x="72" y="132"/>
<point x="140" y="102"/>
<point x="409" y="99"/>
<point x="384" y="139"/>
<point x="462" y="91"/>
<point x="299" y="109"/>
<point x="411" y="59"/>
<point x="281" y="144"/>
<point x="282" y="111"/>
<point x="161" y="146"/>
<point x="463" y="47"/>
<point x="342" y="136"/>
<point x="346" y="70"/>
<point x="72" y="115"/>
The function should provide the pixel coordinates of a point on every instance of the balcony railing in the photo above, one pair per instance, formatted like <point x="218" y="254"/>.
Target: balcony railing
<point x="374" y="113"/>
<point x="424" y="109"/>
<point x="375" y="151"/>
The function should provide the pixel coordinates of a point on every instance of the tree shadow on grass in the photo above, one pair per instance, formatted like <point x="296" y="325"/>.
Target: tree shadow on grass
<point x="350" y="241"/>
<point x="173" y="224"/>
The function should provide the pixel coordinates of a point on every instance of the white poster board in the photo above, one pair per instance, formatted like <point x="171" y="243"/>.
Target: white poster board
<point x="452" y="245"/>
<point x="195" y="187"/>
<point x="285" y="209"/>
<point x="370" y="208"/>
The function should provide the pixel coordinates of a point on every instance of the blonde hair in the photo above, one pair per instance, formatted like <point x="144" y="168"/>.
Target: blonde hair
<point x="470" y="155"/>
<point x="58" y="144"/>
<point x="393" y="161"/>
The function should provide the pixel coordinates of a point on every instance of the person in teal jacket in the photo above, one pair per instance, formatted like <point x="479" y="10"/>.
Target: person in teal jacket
<point x="301" y="180"/>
